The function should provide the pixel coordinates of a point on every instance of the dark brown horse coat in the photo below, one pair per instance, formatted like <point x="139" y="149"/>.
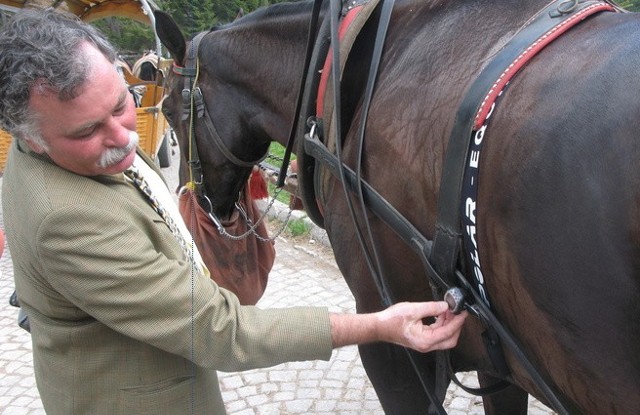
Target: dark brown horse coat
<point x="559" y="195"/>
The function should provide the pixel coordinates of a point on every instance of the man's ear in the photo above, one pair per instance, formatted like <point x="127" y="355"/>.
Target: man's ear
<point x="33" y="145"/>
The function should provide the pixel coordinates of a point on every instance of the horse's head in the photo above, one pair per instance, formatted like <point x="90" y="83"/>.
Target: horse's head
<point x="214" y="123"/>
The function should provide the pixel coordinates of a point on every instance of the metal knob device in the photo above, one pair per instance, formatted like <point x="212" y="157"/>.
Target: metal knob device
<point x="455" y="299"/>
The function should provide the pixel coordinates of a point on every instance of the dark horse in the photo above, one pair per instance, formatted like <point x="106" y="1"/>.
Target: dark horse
<point x="558" y="206"/>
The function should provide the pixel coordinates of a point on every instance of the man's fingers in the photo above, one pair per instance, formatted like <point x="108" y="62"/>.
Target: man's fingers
<point x="405" y="321"/>
<point x="433" y="308"/>
<point x="449" y="328"/>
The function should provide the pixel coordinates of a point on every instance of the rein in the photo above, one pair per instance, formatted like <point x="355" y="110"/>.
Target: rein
<point x="343" y="172"/>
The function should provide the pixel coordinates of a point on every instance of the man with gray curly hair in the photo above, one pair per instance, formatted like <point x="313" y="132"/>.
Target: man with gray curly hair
<point x="124" y="317"/>
<point x="31" y="62"/>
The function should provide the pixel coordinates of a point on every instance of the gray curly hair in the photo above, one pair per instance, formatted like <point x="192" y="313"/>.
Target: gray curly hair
<point x="41" y="48"/>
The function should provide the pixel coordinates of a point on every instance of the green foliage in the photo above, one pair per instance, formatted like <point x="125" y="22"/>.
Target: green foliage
<point x="131" y="38"/>
<point x="298" y="227"/>
<point x="632" y="5"/>
<point x="194" y="17"/>
<point x="277" y="150"/>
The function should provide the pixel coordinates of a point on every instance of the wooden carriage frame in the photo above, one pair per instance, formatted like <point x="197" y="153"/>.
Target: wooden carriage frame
<point x="152" y="126"/>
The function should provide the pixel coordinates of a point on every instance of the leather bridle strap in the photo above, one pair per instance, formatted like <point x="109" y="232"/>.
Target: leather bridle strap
<point x="194" y="107"/>
<point x="213" y="133"/>
<point x="190" y="73"/>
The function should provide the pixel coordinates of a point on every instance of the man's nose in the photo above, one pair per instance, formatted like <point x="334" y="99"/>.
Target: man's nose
<point x="117" y="135"/>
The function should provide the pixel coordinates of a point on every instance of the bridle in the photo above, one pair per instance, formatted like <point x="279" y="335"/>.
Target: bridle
<point x="193" y="103"/>
<point x="194" y="108"/>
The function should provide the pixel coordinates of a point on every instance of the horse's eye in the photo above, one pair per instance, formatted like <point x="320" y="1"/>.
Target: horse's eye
<point x="166" y="111"/>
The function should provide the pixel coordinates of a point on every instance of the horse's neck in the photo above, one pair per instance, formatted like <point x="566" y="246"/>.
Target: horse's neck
<point x="264" y="56"/>
<point x="263" y="53"/>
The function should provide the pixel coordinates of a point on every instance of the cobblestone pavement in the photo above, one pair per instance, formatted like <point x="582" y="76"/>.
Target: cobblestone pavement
<point x="304" y="274"/>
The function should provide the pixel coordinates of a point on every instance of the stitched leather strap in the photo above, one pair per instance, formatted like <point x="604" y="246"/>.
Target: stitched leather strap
<point x="446" y="244"/>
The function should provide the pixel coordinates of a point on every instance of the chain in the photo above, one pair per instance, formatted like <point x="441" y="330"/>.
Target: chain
<point x="274" y="157"/>
<point x="253" y="226"/>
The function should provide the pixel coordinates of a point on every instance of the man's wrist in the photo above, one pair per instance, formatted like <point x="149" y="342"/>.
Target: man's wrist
<point x="348" y="329"/>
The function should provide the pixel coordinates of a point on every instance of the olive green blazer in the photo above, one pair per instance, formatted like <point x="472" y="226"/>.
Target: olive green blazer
<point x="120" y="323"/>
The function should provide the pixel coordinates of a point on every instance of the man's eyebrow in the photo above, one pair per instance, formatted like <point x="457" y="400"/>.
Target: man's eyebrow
<point x="122" y="100"/>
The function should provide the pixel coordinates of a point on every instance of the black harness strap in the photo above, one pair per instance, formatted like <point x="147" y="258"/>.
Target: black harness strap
<point x="313" y="27"/>
<point x="446" y="244"/>
<point x="306" y="163"/>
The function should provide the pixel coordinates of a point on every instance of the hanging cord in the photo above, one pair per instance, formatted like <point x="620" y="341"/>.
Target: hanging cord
<point x="192" y="123"/>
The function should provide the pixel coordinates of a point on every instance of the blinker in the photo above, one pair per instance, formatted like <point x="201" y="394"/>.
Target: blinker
<point x="186" y="103"/>
<point x="199" y="101"/>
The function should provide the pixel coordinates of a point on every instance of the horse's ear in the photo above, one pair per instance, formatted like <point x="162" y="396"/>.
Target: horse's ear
<point x="170" y="35"/>
<point x="240" y="14"/>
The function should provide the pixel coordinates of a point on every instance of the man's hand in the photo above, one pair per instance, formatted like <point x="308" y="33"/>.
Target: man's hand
<point x="401" y="324"/>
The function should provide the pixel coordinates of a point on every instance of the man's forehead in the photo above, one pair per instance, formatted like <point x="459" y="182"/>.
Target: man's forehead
<point x="42" y="87"/>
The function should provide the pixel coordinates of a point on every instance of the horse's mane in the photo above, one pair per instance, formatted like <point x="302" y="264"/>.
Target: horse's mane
<point x="270" y="11"/>
<point x="287" y="8"/>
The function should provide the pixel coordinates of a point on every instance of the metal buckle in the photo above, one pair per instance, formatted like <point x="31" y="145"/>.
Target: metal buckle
<point x="186" y="103"/>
